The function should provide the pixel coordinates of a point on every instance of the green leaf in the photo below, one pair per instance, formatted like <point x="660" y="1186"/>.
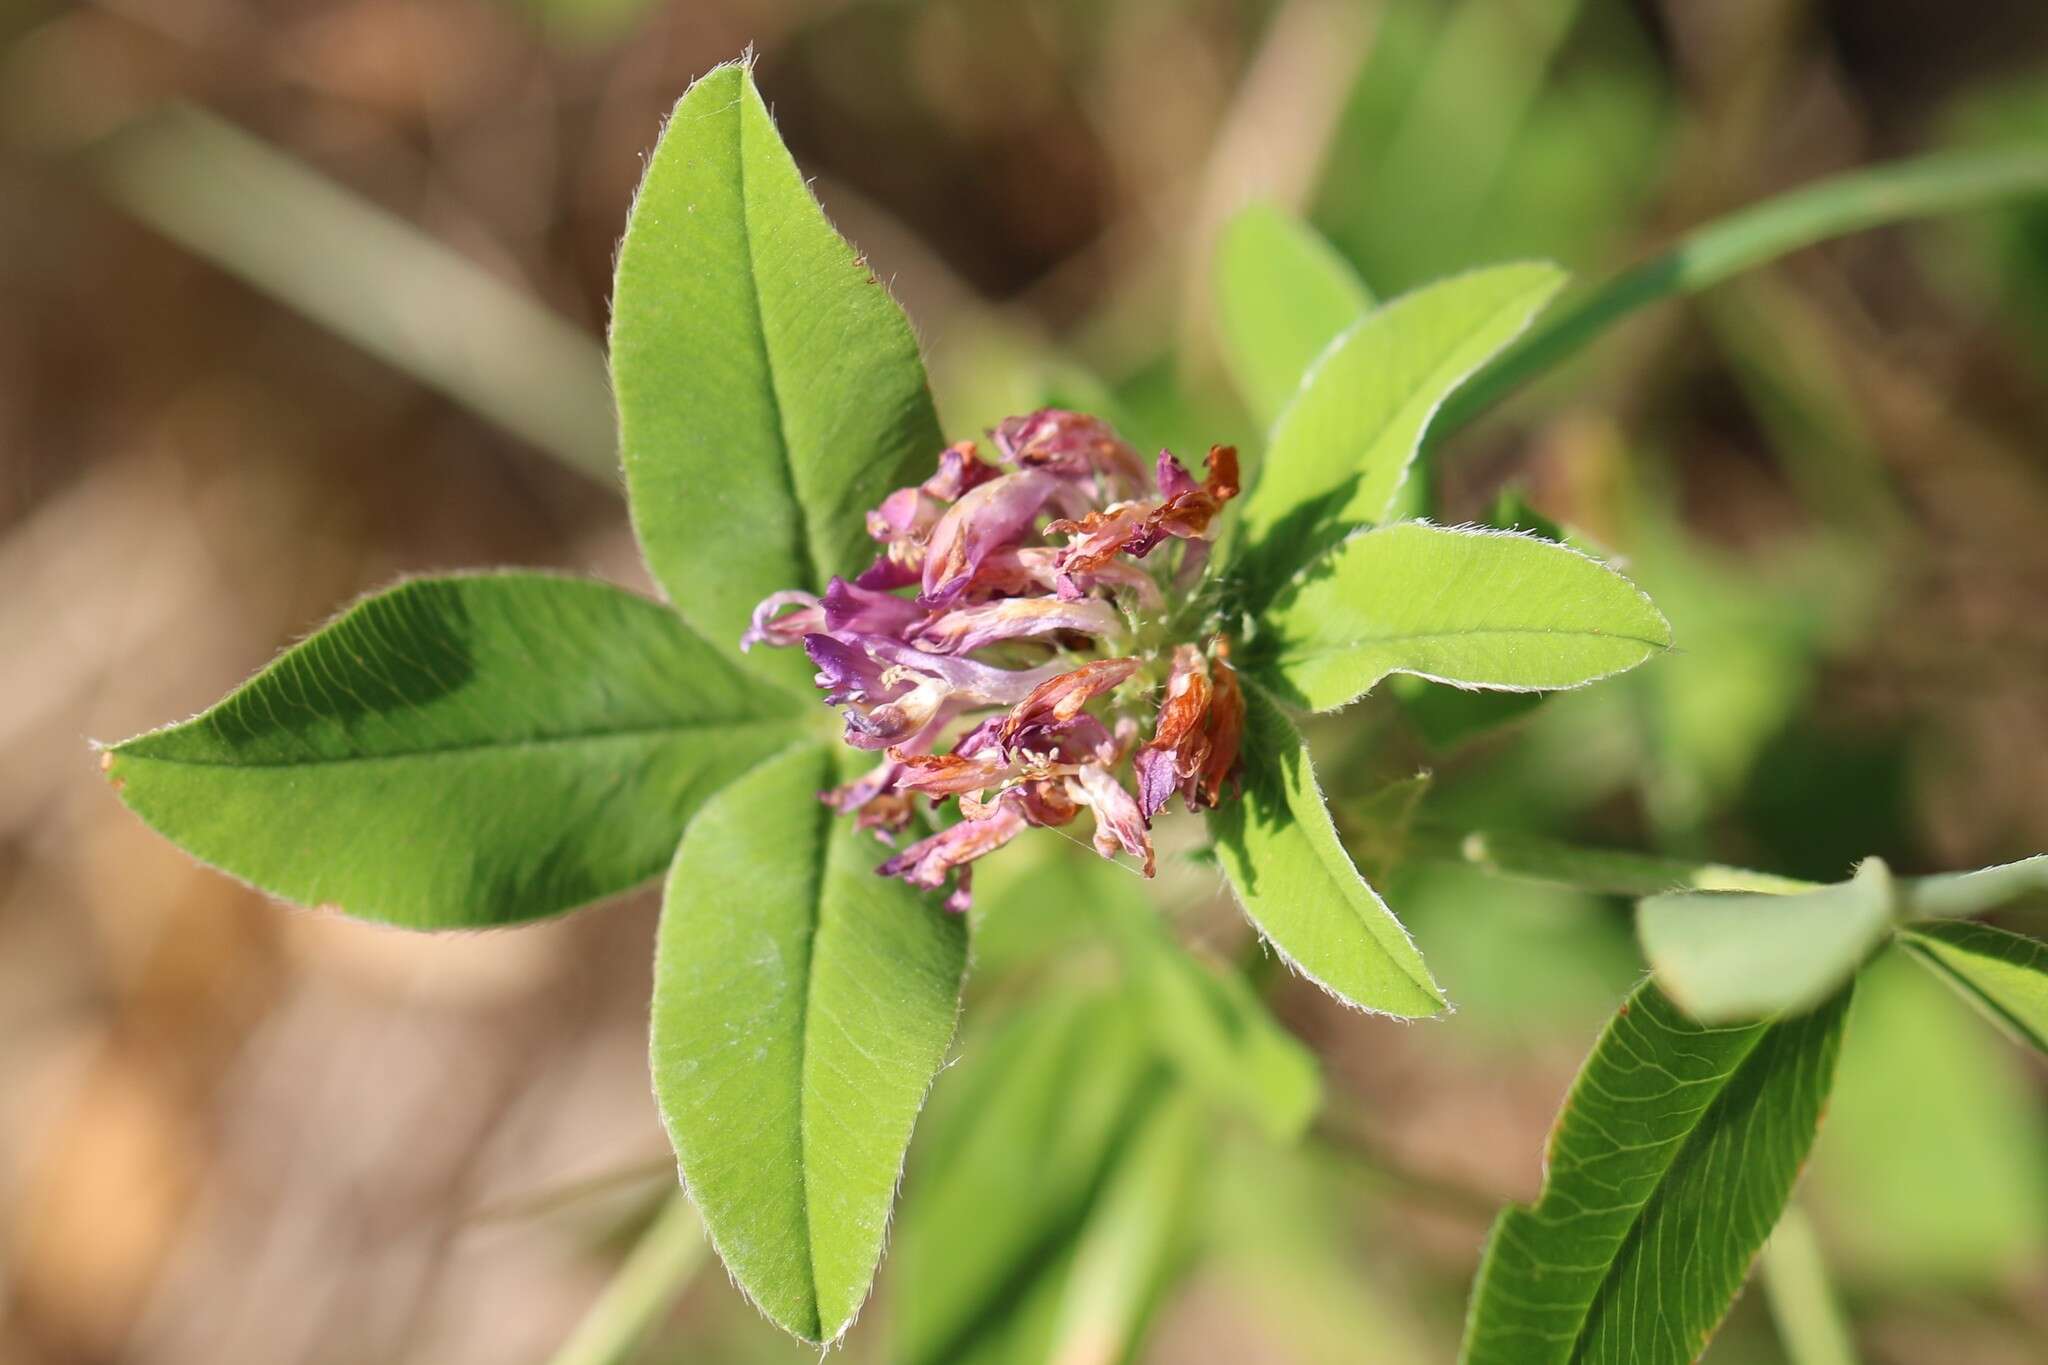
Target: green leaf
<point x="770" y="390"/>
<point x="1929" y="1175"/>
<point x="2004" y="974"/>
<point x="1125" y="1254"/>
<point x="801" y="1007"/>
<point x="1048" y="898"/>
<point x="460" y="752"/>
<point x="1676" y="1151"/>
<point x="1447" y="716"/>
<point x="1726" y="956"/>
<point x="1952" y="895"/>
<point x="1486" y="609"/>
<point x="1225" y="1043"/>
<point x="1342" y="448"/>
<point x="1024" y="1133"/>
<point x="1282" y="295"/>
<point x="1298" y="885"/>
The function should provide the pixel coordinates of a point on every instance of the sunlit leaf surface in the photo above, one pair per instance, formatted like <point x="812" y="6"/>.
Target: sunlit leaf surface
<point x="801" y="1007"/>
<point x="459" y="752"/>
<point x="1298" y="885"/>
<point x="1478" y="608"/>
<point x="770" y="390"/>
<point x="1282" y="295"/>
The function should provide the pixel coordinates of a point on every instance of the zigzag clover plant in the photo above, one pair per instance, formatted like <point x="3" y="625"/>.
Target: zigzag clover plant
<point x="1048" y="627"/>
<point x="1017" y="633"/>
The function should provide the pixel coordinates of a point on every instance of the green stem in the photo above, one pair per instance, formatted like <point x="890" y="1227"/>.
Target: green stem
<point x="1530" y="857"/>
<point x="653" y="1274"/>
<point x="1947" y="182"/>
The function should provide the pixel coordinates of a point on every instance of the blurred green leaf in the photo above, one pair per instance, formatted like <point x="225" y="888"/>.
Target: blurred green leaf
<point x="1726" y="956"/>
<point x="766" y="381"/>
<point x="1035" y="904"/>
<point x="801" y="1007"/>
<point x="1446" y="716"/>
<point x="1953" y="895"/>
<point x="1342" y="448"/>
<point x="1127" y="1250"/>
<point x="2004" y="974"/>
<point x="1224" y="1043"/>
<point x="1933" y="1170"/>
<point x="1025" y="1133"/>
<point x="1490" y="131"/>
<point x="1801" y="1297"/>
<point x="646" y="1285"/>
<point x="1478" y="608"/>
<point x="458" y="752"/>
<point x="1754" y="633"/>
<point x="1045" y="899"/>
<point x="1678" y="1146"/>
<point x="1298" y="886"/>
<point x="2005" y="264"/>
<point x="1282" y="295"/>
<point x="1530" y="967"/>
<point x="1290" y="1261"/>
<point x="1380" y="825"/>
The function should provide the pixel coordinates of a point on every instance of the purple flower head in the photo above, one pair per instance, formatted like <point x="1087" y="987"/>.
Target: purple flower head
<point x="960" y="630"/>
<point x="926" y="862"/>
<point x="1119" y="825"/>
<point x="1173" y="480"/>
<point x="1073" y="446"/>
<point x="960" y="470"/>
<point x="848" y="673"/>
<point x="1009" y="649"/>
<point x="988" y="518"/>
<point x="851" y="608"/>
<point x="773" y="625"/>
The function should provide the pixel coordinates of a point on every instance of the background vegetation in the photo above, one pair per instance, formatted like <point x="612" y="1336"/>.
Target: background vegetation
<point x="299" y="297"/>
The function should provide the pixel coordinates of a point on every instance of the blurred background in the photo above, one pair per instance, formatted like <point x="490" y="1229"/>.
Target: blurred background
<point x="300" y="295"/>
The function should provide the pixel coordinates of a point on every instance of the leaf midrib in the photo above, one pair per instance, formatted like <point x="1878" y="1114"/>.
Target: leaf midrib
<point x="807" y="544"/>
<point x="823" y="870"/>
<point x="1640" y="1216"/>
<point x="1407" y="637"/>
<point x="644" y="732"/>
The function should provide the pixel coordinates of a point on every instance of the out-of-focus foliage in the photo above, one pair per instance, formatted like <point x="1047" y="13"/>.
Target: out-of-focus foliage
<point x="1930" y="1169"/>
<point x="239" y="1135"/>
